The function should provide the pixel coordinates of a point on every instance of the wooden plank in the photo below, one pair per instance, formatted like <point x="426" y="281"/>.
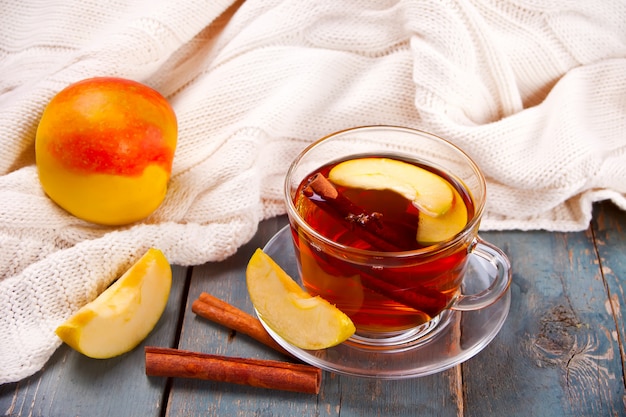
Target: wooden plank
<point x="437" y="395"/>
<point x="434" y="395"/>
<point x="556" y="354"/>
<point x="609" y="226"/>
<point x="74" y="385"/>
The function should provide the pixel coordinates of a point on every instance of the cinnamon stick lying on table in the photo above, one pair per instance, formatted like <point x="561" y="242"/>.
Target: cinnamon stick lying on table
<point x="214" y="309"/>
<point x="277" y="375"/>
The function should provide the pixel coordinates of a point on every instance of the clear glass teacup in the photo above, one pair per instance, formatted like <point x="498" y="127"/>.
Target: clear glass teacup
<point x="387" y="238"/>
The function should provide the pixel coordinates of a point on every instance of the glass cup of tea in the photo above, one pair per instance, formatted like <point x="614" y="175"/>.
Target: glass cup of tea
<point x="383" y="221"/>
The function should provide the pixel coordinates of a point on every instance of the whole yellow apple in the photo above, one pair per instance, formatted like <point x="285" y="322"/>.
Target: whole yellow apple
<point x="104" y="149"/>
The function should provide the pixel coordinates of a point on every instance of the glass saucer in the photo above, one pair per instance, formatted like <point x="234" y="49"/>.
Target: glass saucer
<point x="459" y="335"/>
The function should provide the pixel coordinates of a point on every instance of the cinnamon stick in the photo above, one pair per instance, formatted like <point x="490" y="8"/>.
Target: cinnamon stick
<point x="220" y="312"/>
<point x="369" y="225"/>
<point x="167" y="362"/>
<point x="323" y="193"/>
<point x="417" y="297"/>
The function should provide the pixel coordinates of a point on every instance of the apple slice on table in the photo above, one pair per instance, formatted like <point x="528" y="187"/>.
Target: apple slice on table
<point x="302" y="320"/>
<point x="125" y="313"/>
<point x="429" y="192"/>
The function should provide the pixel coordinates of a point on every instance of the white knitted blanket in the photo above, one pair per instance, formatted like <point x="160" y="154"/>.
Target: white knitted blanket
<point x="533" y="90"/>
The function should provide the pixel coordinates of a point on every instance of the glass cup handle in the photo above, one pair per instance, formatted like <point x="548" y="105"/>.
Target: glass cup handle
<point x="498" y="286"/>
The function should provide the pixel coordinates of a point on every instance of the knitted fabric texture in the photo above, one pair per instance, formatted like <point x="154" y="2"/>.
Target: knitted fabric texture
<point x="533" y="90"/>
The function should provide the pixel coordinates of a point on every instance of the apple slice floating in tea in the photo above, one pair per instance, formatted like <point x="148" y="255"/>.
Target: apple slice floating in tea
<point x="443" y="213"/>
<point x="441" y="228"/>
<point x="429" y="192"/>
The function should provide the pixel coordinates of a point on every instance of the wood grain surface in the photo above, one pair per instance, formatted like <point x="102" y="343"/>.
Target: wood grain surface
<point x="560" y="352"/>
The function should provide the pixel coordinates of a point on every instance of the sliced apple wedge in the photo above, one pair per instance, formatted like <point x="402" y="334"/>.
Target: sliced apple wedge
<point x="123" y="314"/>
<point x="429" y="192"/>
<point x="302" y="320"/>
<point x="441" y="228"/>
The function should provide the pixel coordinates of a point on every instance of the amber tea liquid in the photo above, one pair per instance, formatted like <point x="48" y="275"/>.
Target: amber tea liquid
<point x="378" y="299"/>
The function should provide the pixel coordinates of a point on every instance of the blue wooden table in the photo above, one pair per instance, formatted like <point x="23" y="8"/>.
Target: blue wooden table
<point x="560" y="352"/>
